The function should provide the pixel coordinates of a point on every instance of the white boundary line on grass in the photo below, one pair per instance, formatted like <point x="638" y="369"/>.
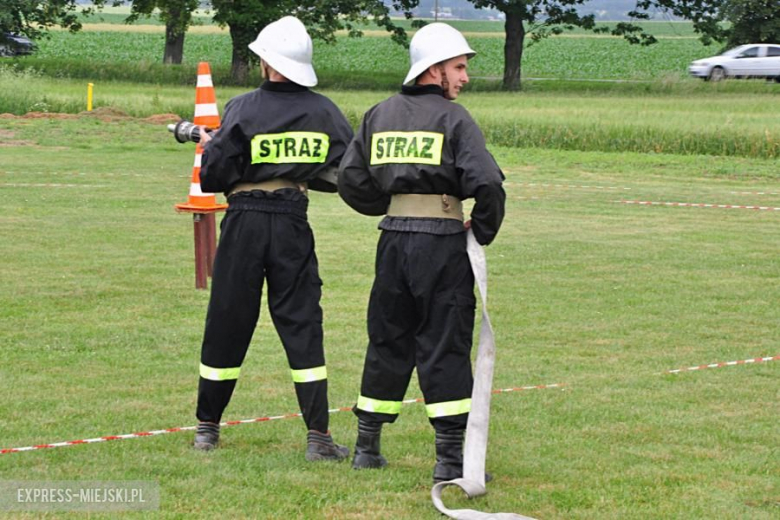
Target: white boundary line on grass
<point x="725" y="364"/>
<point x="48" y="185"/>
<point x="755" y="193"/>
<point x="564" y="186"/>
<point x="84" y="174"/>
<point x="232" y="423"/>
<point x="697" y="205"/>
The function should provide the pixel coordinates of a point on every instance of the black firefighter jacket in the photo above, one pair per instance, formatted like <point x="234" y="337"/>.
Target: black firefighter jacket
<point x="280" y="130"/>
<point x="420" y="142"/>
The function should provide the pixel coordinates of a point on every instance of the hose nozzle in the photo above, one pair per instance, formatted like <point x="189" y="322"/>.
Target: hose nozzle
<point x="184" y="131"/>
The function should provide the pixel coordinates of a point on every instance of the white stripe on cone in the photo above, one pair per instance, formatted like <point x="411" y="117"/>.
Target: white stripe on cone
<point x="204" y="80"/>
<point x="206" y="109"/>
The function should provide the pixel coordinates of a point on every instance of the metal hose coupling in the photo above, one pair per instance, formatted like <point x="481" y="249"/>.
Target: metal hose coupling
<point x="184" y="131"/>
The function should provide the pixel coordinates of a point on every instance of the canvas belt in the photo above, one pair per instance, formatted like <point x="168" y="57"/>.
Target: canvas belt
<point x="475" y="449"/>
<point x="431" y="206"/>
<point x="270" y="185"/>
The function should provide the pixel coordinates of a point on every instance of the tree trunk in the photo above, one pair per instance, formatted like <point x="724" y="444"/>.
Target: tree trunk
<point x="239" y="68"/>
<point x="513" y="48"/>
<point x="241" y="37"/>
<point x="174" y="43"/>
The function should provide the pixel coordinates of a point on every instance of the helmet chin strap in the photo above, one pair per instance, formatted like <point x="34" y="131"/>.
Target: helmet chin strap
<point x="445" y="82"/>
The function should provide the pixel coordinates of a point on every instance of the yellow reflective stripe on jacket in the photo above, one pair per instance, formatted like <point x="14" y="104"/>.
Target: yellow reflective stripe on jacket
<point x="406" y="148"/>
<point x="375" y="405"/>
<point x="219" y="374"/>
<point x="290" y="147"/>
<point x="309" y="375"/>
<point x="448" y="408"/>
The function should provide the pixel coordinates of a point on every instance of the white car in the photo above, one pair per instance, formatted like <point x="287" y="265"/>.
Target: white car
<point x="754" y="60"/>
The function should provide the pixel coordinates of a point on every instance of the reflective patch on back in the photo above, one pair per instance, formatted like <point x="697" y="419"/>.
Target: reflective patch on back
<point x="290" y="147"/>
<point x="406" y="148"/>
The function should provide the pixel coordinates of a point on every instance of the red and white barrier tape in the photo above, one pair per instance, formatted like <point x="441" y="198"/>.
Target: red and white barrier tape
<point x="726" y="364"/>
<point x="230" y="423"/>
<point x="697" y="205"/>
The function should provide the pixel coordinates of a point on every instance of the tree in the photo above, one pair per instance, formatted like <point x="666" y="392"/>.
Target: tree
<point x="752" y="21"/>
<point x="536" y="19"/>
<point x="541" y="18"/>
<point x="706" y="16"/>
<point x="246" y="18"/>
<point x="177" y="16"/>
<point x="748" y="21"/>
<point x="35" y="18"/>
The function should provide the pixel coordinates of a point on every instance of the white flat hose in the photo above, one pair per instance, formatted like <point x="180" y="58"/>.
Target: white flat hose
<point x="475" y="449"/>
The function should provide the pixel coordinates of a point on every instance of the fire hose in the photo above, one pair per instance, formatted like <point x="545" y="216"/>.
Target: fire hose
<point x="475" y="449"/>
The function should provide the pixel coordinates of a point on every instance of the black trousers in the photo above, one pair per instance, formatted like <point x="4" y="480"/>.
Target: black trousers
<point x="277" y="247"/>
<point x="421" y="314"/>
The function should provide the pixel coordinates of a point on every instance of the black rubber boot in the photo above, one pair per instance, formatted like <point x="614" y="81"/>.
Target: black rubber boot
<point x="206" y="436"/>
<point x="449" y="456"/>
<point x="320" y="446"/>
<point x="367" y="454"/>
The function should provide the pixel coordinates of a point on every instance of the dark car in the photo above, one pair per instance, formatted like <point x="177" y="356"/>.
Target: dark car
<point x="15" y="45"/>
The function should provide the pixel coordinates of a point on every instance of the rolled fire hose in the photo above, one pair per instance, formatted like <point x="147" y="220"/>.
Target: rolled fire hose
<point x="475" y="450"/>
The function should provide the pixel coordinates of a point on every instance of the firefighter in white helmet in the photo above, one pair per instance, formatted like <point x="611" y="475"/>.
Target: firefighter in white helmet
<point x="415" y="157"/>
<point x="276" y="143"/>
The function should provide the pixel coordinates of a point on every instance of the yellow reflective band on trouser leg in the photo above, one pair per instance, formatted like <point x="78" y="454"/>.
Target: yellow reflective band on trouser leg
<point x="309" y="375"/>
<point x="219" y="374"/>
<point x="448" y="408"/>
<point x="375" y="405"/>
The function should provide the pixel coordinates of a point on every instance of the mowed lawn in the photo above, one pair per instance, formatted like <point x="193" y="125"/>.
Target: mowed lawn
<point x="101" y="328"/>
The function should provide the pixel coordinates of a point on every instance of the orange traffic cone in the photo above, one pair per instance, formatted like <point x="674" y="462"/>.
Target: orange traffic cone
<point x="206" y="114"/>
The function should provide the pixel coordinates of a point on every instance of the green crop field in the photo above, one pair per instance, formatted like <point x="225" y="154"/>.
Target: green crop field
<point x="117" y="15"/>
<point x="101" y="53"/>
<point x="589" y="289"/>
<point x="108" y="49"/>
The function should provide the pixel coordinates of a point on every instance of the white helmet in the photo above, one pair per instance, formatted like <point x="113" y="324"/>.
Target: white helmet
<point x="434" y="43"/>
<point x="286" y="47"/>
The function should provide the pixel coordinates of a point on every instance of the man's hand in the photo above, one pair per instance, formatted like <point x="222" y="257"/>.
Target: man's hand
<point x="467" y="224"/>
<point x="205" y="136"/>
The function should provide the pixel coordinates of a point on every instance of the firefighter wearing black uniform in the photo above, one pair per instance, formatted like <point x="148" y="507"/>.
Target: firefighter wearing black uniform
<point x="274" y="143"/>
<point x="415" y="157"/>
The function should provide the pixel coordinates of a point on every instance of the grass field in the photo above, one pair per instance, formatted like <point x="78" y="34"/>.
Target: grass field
<point x="102" y="329"/>
<point x="687" y="117"/>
